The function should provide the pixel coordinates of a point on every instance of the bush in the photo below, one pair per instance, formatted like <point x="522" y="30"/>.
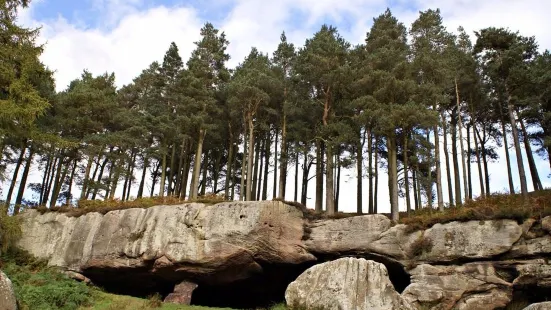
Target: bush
<point x="10" y="230"/>
<point x="40" y="288"/>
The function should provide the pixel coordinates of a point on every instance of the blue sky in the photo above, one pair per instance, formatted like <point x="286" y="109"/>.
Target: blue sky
<point x="125" y="36"/>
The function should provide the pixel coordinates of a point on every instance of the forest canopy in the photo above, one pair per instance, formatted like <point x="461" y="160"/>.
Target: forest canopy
<point x="193" y="127"/>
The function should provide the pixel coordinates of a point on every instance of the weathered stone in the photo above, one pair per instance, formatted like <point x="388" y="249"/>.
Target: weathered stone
<point x="526" y="226"/>
<point x="539" y="306"/>
<point x="182" y="293"/>
<point x="470" y="240"/>
<point x="546" y="223"/>
<point x="217" y="243"/>
<point x="77" y="276"/>
<point x="533" y="273"/>
<point x="345" y="284"/>
<point x="7" y="295"/>
<point x="368" y="234"/>
<point x="471" y="286"/>
<point x="531" y="247"/>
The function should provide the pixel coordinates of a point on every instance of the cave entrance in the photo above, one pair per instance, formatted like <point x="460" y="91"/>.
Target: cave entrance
<point x="260" y="291"/>
<point x="525" y="295"/>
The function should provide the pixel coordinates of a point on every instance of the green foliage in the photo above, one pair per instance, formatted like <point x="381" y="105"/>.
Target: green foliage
<point x="42" y="288"/>
<point x="10" y="230"/>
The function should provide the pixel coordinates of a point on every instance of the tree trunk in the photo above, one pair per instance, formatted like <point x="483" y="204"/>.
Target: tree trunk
<point x="197" y="165"/>
<point x="478" y="163"/>
<point x="131" y="176"/>
<point x="260" y="171"/>
<point x="469" y="169"/>
<point x="23" y="182"/>
<point x="205" y="167"/>
<point x="455" y="157"/>
<point x="520" y="163"/>
<point x="393" y="176"/>
<point x="86" y="176"/>
<point x="507" y="157"/>
<point x="439" y="194"/>
<point x="295" y="196"/>
<point x="92" y="179"/>
<point x="376" y="192"/>
<point x="229" y="166"/>
<point x="243" y="166"/>
<point x="142" y="180"/>
<point x="370" y="169"/>
<point x="284" y="158"/>
<point x="250" y="158"/>
<point x="274" y="192"/>
<point x="305" y="173"/>
<point x="266" y="166"/>
<point x="359" y="172"/>
<point x="415" y="197"/>
<point x="185" y="173"/>
<point x="178" y="185"/>
<point x="58" y="183"/>
<point x="163" y="177"/>
<point x="485" y="161"/>
<point x="256" y="154"/>
<point x="71" y="178"/>
<point x="15" y="173"/>
<point x="406" y="174"/>
<point x="45" y="176"/>
<point x="170" y="187"/>
<point x="329" y="188"/>
<point x="338" y="180"/>
<point x="536" y="182"/>
<point x="447" y="159"/>
<point x="154" y="179"/>
<point x="460" y="124"/>
<point x="50" y="180"/>
<point x="319" y="175"/>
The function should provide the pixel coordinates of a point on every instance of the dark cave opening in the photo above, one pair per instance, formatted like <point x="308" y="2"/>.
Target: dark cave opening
<point x="526" y="295"/>
<point x="260" y="290"/>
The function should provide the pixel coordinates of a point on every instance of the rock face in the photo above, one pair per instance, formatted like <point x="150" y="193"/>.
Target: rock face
<point x="7" y="296"/>
<point x="457" y="265"/>
<point x="345" y="284"/>
<point x="539" y="306"/>
<point x="220" y="243"/>
<point x="471" y="286"/>
<point x="182" y="293"/>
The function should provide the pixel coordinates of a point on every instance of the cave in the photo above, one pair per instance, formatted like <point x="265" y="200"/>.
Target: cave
<point x="526" y="295"/>
<point x="260" y="290"/>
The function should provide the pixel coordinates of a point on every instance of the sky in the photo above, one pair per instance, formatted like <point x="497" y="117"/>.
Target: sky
<point x="125" y="36"/>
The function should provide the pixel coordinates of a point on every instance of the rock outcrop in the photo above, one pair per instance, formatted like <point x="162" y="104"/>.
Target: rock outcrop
<point x="214" y="244"/>
<point x="539" y="306"/>
<point x="7" y="295"/>
<point x="470" y="286"/>
<point x="457" y="265"/>
<point x="345" y="284"/>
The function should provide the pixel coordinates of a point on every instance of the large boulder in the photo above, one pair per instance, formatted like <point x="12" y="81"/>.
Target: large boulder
<point x="539" y="306"/>
<point x="207" y="243"/>
<point x="345" y="284"/>
<point x="470" y="240"/>
<point x="474" y="286"/>
<point x="7" y="295"/>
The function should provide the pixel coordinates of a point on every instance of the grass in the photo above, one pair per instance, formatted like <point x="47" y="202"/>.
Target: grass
<point x="104" y="206"/>
<point x="494" y="207"/>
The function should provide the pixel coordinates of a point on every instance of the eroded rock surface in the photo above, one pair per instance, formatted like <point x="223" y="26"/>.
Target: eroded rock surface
<point x="182" y="293"/>
<point x="216" y="243"/>
<point x="7" y="295"/>
<point x="539" y="306"/>
<point x="345" y="284"/>
<point x="470" y="286"/>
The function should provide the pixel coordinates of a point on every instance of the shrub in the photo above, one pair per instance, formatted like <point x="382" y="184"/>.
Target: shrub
<point x="420" y="245"/>
<point x="10" y="229"/>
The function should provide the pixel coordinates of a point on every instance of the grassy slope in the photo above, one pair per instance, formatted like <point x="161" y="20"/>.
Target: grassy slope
<point x="106" y="301"/>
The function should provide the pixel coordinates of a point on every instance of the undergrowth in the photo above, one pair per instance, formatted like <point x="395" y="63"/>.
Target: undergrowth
<point x="10" y="230"/>
<point x="496" y="206"/>
<point x="38" y="287"/>
<point x="104" y="206"/>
